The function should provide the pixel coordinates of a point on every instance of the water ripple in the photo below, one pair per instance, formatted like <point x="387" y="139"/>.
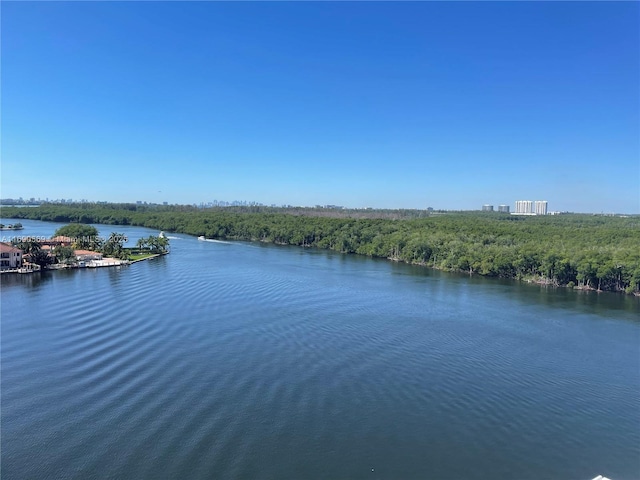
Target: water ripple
<point x="224" y="361"/>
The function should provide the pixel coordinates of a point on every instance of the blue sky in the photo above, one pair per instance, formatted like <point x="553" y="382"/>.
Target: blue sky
<point x="381" y="104"/>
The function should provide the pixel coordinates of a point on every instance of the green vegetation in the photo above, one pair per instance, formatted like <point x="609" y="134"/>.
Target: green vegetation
<point x="153" y="244"/>
<point x="64" y="255"/>
<point x="15" y="226"/>
<point x="32" y="250"/>
<point x="75" y="230"/>
<point x="134" y="257"/>
<point x="148" y="247"/>
<point x="85" y="237"/>
<point x="114" y="246"/>
<point x="40" y="258"/>
<point x="583" y="250"/>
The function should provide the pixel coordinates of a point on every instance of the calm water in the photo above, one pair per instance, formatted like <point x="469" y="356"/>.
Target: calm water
<point x="251" y="361"/>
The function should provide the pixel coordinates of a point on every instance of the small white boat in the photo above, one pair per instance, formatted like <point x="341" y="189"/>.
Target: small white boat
<point x="162" y="235"/>
<point x="203" y="239"/>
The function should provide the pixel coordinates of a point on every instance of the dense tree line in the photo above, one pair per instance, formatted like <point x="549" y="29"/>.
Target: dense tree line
<point x="585" y="251"/>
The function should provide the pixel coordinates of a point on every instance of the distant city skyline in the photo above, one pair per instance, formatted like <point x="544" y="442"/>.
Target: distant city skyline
<point x="361" y="104"/>
<point x="538" y="207"/>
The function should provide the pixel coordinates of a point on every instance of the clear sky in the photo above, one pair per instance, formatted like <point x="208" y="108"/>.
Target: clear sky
<point x="383" y="104"/>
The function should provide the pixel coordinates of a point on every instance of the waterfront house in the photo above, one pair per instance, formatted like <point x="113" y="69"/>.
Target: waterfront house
<point x="87" y="255"/>
<point x="10" y="256"/>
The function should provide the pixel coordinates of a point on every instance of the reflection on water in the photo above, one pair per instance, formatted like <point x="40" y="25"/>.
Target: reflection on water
<point x="30" y="280"/>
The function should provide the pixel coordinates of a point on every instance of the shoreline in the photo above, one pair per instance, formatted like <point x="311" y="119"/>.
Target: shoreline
<point x="533" y="280"/>
<point x="456" y="243"/>
<point x="155" y="255"/>
<point x="115" y="263"/>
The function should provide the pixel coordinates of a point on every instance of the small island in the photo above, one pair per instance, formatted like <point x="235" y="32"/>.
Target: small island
<point x="78" y="246"/>
<point x="15" y="226"/>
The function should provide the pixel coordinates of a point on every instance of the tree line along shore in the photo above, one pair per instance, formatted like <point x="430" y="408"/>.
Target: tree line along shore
<point x="575" y="250"/>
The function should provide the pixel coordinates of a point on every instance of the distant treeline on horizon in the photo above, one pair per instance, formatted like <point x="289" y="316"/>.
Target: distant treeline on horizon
<point x="577" y="250"/>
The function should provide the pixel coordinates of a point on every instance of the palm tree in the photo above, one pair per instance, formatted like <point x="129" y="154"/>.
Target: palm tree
<point x="28" y="247"/>
<point x="114" y="245"/>
<point x="142" y="244"/>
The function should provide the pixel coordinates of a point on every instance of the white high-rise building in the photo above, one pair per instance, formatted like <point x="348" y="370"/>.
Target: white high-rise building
<point x="527" y="207"/>
<point x="524" y="207"/>
<point x="541" y="207"/>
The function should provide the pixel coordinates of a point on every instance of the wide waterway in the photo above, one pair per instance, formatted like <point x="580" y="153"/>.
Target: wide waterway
<point x="252" y="361"/>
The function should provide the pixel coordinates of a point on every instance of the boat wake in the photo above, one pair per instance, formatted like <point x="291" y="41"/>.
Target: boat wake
<point x="203" y="239"/>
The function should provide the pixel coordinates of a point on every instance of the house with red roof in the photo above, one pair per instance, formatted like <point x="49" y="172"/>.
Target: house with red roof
<point x="10" y="257"/>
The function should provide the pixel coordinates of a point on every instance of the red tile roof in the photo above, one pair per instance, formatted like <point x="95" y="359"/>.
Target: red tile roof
<point x="6" y="248"/>
<point x="85" y="252"/>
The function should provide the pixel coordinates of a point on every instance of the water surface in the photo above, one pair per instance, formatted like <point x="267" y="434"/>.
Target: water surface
<point x="255" y="361"/>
